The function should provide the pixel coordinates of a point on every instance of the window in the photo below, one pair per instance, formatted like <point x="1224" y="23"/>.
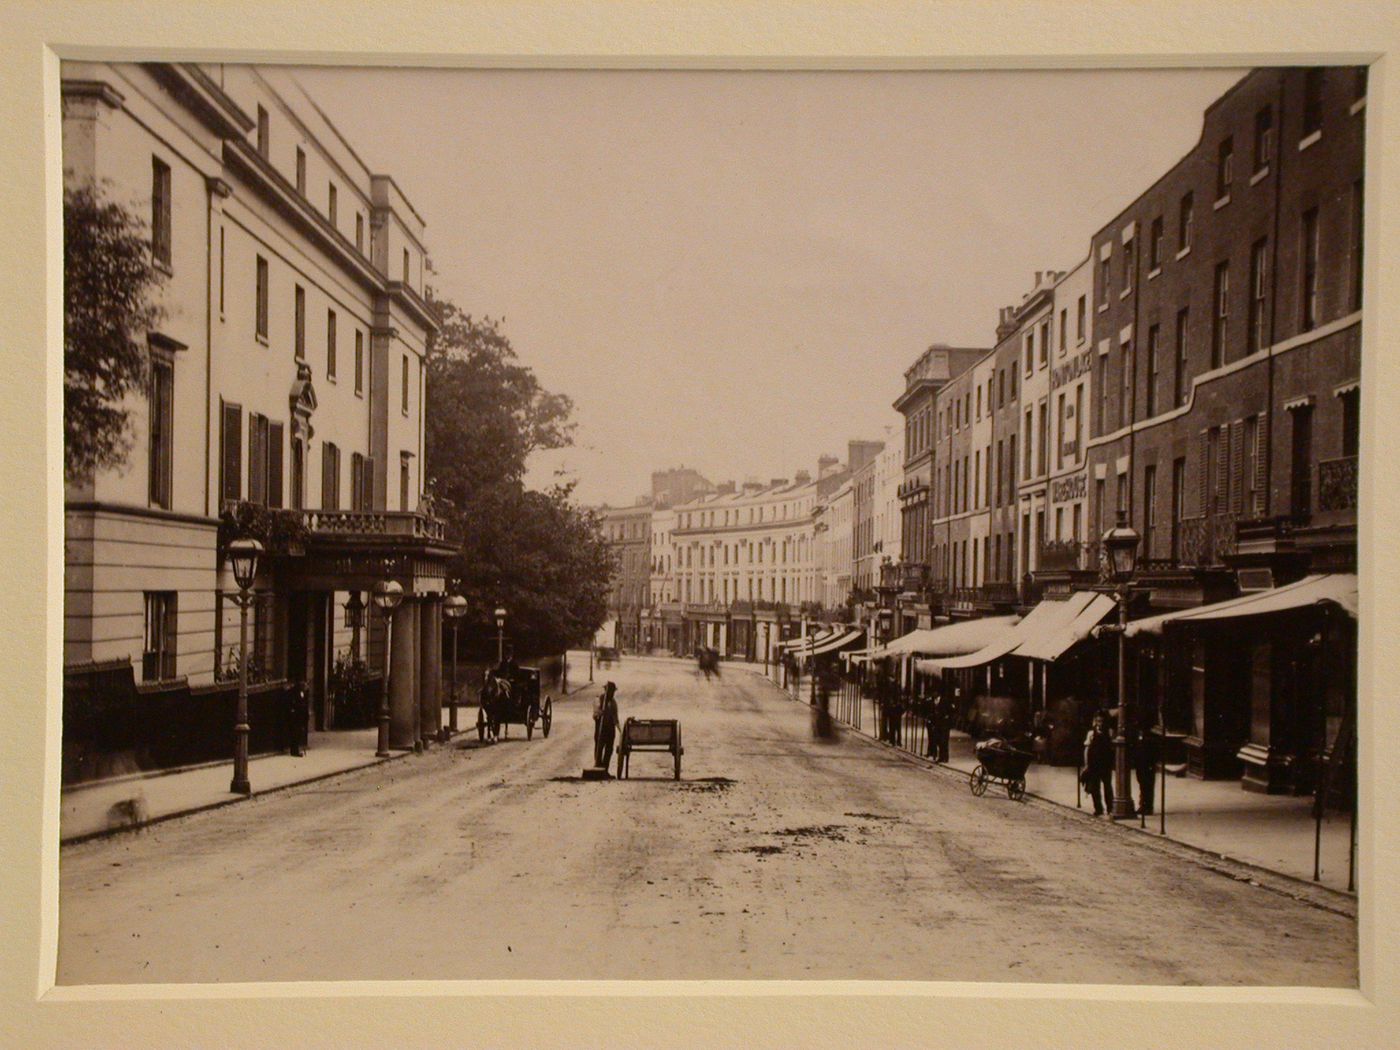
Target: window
<point x="1220" y="329"/>
<point x="1026" y="467"/>
<point x="264" y="133"/>
<point x="1064" y="329"/>
<point x="261" y="304"/>
<point x="1122" y="493"/>
<point x="1079" y="321"/>
<point x="1184" y="220"/>
<point x="1129" y="255"/>
<point x="360" y="232"/>
<point x="1308" y="293"/>
<point x="1149" y="508"/>
<point x="1263" y="137"/>
<point x="403" y="481"/>
<point x="1104" y="279"/>
<point x="301" y="171"/>
<point x="231" y="452"/>
<point x="403" y="392"/>
<point x="1043" y="458"/>
<point x="1250" y="471"/>
<point x="1258" y="282"/>
<point x="299" y="323"/>
<point x="257" y="458"/>
<point x="1213" y="503"/>
<point x="330" y="344"/>
<point x="1351" y="421"/>
<point x="221" y="271"/>
<point x="1078" y="419"/>
<point x="979" y="401"/>
<point x="162" y="395"/>
<point x="1154" y="245"/>
<point x="1357" y="251"/>
<point x="1013" y="385"/>
<point x="1044" y="340"/>
<point x="158" y="649"/>
<point x="1000" y="471"/>
<point x="331" y="203"/>
<point x="330" y="476"/>
<point x="1225" y="168"/>
<point x="1154" y="334"/>
<point x="1179" y="381"/>
<point x="405" y="266"/>
<point x="1100" y="499"/>
<point x="1125" y="399"/>
<point x="359" y="362"/>
<point x="1178" y="505"/>
<point x="298" y="481"/>
<point x="1001" y="389"/>
<point x="1060" y="436"/>
<point x="160" y="212"/>
<point x="1101" y="408"/>
<point x="1300" y="495"/>
<point x="1312" y="101"/>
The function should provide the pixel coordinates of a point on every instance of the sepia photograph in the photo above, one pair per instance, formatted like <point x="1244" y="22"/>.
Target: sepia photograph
<point x="560" y="524"/>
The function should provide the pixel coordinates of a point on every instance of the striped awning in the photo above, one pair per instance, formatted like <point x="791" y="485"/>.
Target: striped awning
<point x="1047" y="621"/>
<point x="1337" y="589"/>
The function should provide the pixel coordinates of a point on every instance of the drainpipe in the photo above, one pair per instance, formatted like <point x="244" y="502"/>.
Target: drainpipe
<point x="1273" y="312"/>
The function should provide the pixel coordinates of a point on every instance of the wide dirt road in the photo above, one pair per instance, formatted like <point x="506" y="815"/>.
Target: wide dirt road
<point x="775" y="856"/>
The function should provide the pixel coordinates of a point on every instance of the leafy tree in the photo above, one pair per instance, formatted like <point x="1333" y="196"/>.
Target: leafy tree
<point x="108" y="286"/>
<point x="536" y="553"/>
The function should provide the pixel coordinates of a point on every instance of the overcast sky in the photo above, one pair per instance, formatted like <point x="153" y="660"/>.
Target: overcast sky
<point x="731" y="271"/>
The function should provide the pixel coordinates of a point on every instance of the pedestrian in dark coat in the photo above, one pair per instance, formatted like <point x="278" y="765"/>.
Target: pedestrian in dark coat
<point x="1098" y="765"/>
<point x="604" y="726"/>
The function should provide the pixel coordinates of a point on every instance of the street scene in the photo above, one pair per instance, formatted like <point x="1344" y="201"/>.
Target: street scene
<point x="575" y="524"/>
<point x="776" y="855"/>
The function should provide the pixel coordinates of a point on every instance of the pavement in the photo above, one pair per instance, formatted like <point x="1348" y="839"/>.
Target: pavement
<point x="87" y="810"/>
<point x="778" y="854"/>
<point x="1275" y="832"/>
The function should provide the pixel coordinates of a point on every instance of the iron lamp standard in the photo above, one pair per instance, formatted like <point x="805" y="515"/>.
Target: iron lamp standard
<point x="500" y="635"/>
<point x="243" y="558"/>
<point x="387" y="595"/>
<point x="455" y="606"/>
<point x="1120" y="544"/>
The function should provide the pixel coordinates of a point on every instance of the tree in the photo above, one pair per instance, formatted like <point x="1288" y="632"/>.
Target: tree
<point x="108" y="285"/>
<point x="536" y="553"/>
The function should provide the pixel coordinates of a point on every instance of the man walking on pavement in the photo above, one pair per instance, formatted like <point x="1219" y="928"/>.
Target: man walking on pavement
<point x="604" y="726"/>
<point x="1098" y="765"/>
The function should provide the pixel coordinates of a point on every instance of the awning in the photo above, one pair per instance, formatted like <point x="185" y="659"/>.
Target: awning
<point x="966" y="636"/>
<point x="1337" y="589"/>
<point x="850" y="636"/>
<point x="803" y="646"/>
<point x="859" y="656"/>
<point x="1053" y="644"/>
<point x="1045" y="620"/>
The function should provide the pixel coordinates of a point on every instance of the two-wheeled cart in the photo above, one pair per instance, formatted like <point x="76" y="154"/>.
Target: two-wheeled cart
<point x="1000" y="763"/>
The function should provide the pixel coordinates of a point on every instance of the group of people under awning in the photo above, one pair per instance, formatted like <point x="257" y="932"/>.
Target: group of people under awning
<point x="960" y="674"/>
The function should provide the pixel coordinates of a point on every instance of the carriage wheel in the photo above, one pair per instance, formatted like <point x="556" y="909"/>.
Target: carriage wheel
<point x="978" y="781"/>
<point x="547" y="717"/>
<point x="678" y="766"/>
<point x="1015" y="790"/>
<point x="480" y="725"/>
<point x="529" y="728"/>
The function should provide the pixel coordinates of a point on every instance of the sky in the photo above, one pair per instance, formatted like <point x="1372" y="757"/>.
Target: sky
<point x="731" y="270"/>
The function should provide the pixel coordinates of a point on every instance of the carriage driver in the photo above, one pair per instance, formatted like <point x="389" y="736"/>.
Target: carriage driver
<point x="507" y="668"/>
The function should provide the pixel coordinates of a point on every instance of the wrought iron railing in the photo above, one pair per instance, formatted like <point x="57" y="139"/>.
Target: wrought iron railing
<point x="1065" y="555"/>
<point x="1336" y="484"/>
<point x="1205" y="541"/>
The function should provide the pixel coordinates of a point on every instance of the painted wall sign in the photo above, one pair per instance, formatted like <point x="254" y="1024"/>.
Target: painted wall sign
<point x="1071" y="369"/>
<point x="1064" y="490"/>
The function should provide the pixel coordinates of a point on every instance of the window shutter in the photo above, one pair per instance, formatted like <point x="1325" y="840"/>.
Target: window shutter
<point x="1261" y="464"/>
<point x="1222" y="469"/>
<point x="1203" y="502"/>
<point x="326" y="475"/>
<point x="257" y="458"/>
<point x="231" y="452"/>
<point x="1237" y="466"/>
<point x="274" y="465"/>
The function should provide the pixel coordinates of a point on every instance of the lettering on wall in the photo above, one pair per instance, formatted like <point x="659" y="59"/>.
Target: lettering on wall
<point x="1071" y="369"/>
<point x="1066" y="490"/>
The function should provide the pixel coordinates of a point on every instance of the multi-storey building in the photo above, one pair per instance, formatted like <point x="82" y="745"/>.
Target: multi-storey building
<point x="865" y="556"/>
<point x="951" y="506"/>
<point x="1035" y="318"/>
<point x="287" y="389"/>
<point x="835" y="532"/>
<point x="628" y="531"/>
<point x="1071" y="394"/>
<point x="670" y="488"/>
<point x="1227" y="329"/>
<point x="922" y="381"/>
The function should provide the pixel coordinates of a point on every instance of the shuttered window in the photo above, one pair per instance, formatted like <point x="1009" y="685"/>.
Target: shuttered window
<point x="162" y="393"/>
<point x="274" y="465"/>
<point x="330" y="477"/>
<point x="257" y="458"/>
<point x="231" y="452"/>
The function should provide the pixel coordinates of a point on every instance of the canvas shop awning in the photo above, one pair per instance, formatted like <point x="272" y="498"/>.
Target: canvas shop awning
<point x="1337" y="589"/>
<point x="1043" y="629"/>
<point x="966" y="636"/>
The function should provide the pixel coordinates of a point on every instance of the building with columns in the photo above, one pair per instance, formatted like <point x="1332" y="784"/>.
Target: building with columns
<point x="286" y="394"/>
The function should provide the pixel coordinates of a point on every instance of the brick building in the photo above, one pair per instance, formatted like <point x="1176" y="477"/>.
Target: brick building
<point x="628" y="532"/>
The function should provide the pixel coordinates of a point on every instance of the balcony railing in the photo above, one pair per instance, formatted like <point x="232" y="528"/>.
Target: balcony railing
<point x="913" y="576"/>
<point x="372" y="523"/>
<point x="1204" y="542"/>
<point x="1336" y="484"/>
<point x="1066" y="555"/>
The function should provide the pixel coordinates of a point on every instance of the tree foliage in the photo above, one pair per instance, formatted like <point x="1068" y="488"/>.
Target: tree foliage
<point x="537" y="554"/>
<point x="108" y="307"/>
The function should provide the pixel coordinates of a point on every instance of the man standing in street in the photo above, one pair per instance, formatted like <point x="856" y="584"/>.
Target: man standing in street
<point x="1098" y="765"/>
<point x="604" y="726"/>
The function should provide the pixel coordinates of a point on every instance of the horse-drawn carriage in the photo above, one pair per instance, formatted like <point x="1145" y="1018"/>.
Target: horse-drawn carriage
<point x="513" y="700"/>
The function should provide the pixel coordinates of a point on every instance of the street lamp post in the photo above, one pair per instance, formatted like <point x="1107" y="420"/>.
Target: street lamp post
<point x="387" y="596"/>
<point x="455" y="606"/>
<point x="1121" y="544"/>
<point x="243" y="557"/>
<point x="500" y="635"/>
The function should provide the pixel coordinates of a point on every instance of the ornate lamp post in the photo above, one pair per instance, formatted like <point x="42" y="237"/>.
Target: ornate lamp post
<point x="387" y="595"/>
<point x="455" y="606"/>
<point x="1120" y="545"/>
<point x="243" y="558"/>
<point x="500" y="635"/>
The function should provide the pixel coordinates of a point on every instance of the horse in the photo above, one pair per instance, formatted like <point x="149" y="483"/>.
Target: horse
<point x="495" y="698"/>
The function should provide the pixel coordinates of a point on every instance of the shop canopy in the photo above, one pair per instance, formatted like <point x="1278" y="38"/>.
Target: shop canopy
<point x="840" y="640"/>
<point x="967" y="636"/>
<point x="1337" y="589"/>
<point x="1051" y="645"/>
<point x="1043" y="627"/>
<point x="793" y="644"/>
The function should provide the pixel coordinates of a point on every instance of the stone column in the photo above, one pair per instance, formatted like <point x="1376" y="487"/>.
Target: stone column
<point x="403" y="706"/>
<point x="430" y="660"/>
